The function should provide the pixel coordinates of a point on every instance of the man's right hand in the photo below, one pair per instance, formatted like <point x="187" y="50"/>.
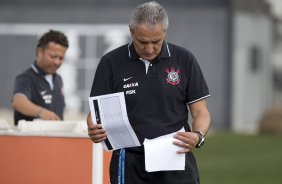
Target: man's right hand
<point x="23" y="105"/>
<point x="95" y="131"/>
<point x="46" y="114"/>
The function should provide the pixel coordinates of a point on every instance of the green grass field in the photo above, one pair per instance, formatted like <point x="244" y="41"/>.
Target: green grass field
<point x="229" y="158"/>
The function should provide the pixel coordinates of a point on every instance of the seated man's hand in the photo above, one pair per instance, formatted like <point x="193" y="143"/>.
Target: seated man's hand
<point x="46" y="114"/>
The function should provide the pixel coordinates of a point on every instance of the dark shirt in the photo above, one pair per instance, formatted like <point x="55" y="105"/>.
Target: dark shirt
<point x="35" y="87"/>
<point x="156" y="101"/>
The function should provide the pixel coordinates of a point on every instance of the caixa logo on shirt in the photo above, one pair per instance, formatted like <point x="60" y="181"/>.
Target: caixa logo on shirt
<point x="46" y="97"/>
<point x="172" y="76"/>
<point x="128" y="87"/>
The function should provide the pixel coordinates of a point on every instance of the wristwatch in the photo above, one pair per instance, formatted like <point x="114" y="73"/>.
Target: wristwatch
<point x="201" y="138"/>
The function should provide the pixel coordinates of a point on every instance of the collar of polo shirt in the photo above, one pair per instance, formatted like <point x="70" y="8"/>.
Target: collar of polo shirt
<point x="165" y="52"/>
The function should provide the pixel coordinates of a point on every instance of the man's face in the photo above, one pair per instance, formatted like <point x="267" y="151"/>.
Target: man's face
<point x="148" y="40"/>
<point x="51" y="58"/>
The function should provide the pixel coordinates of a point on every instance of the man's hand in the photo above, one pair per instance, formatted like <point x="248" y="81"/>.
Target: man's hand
<point x="23" y="105"/>
<point x="45" y="114"/>
<point x="201" y="122"/>
<point x="187" y="141"/>
<point x="95" y="131"/>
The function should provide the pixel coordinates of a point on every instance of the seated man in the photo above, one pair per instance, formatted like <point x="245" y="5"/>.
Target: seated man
<point x="38" y="91"/>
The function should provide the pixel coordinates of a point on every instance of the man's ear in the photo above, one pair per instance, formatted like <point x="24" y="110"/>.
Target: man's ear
<point x="39" y="51"/>
<point x="131" y="30"/>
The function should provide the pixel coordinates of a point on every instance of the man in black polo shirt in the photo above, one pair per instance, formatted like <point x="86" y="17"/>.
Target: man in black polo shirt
<point x="160" y="81"/>
<point x="38" y="91"/>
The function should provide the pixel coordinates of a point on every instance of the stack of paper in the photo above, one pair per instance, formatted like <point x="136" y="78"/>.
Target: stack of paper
<point x="161" y="154"/>
<point x="110" y="111"/>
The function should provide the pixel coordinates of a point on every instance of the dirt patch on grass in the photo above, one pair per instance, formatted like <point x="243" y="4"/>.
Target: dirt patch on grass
<point x="271" y="122"/>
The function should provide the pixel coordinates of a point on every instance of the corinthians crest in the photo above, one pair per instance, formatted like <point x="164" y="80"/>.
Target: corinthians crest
<point x="172" y="76"/>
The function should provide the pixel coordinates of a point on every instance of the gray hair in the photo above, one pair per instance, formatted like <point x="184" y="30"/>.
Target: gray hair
<point x="150" y="12"/>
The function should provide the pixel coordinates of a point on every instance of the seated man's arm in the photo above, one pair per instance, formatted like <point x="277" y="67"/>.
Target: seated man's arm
<point x="23" y="105"/>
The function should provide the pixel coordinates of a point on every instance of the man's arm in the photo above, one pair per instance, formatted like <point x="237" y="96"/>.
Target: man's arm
<point x="201" y="122"/>
<point x="23" y="105"/>
<point x="201" y="116"/>
<point x="95" y="131"/>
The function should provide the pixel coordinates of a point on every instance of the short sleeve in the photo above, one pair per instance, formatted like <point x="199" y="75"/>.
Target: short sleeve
<point x="197" y="88"/>
<point x="103" y="80"/>
<point x="23" y="85"/>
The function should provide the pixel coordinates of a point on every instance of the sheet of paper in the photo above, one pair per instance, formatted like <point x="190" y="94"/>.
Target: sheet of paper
<point x="110" y="111"/>
<point x="160" y="154"/>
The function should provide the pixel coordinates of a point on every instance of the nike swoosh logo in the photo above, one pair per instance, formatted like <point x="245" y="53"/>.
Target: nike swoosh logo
<point x="43" y="92"/>
<point x="126" y="79"/>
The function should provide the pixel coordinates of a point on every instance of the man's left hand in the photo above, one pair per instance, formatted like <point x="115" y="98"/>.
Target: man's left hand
<point x="187" y="141"/>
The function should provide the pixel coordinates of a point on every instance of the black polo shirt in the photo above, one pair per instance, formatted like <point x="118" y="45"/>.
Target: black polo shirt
<point x="156" y="100"/>
<point x="35" y="87"/>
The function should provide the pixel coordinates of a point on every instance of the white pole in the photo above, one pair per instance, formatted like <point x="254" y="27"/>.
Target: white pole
<point x="97" y="164"/>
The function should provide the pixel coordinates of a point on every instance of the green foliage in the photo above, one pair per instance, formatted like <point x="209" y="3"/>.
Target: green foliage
<point x="229" y="158"/>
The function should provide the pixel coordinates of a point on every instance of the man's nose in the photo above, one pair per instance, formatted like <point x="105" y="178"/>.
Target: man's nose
<point x="149" y="48"/>
<point x="57" y="61"/>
